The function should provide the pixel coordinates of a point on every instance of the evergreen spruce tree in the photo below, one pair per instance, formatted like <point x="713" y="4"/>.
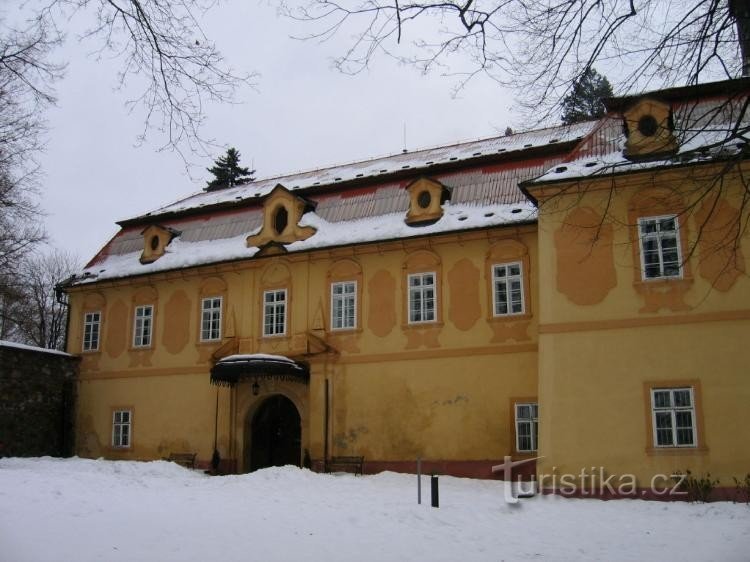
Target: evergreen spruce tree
<point x="584" y="102"/>
<point x="228" y="172"/>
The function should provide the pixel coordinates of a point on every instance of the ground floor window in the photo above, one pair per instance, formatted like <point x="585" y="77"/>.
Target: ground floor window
<point x="673" y="417"/>
<point x="122" y="421"/>
<point x="527" y="426"/>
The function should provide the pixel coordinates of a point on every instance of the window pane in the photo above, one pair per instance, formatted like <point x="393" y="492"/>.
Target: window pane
<point x="661" y="399"/>
<point x="524" y="436"/>
<point x="667" y="224"/>
<point x="685" y="436"/>
<point x="682" y="398"/>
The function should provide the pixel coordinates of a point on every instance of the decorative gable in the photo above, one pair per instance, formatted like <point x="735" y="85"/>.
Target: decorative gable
<point x="426" y="197"/>
<point x="282" y="212"/>
<point x="156" y="238"/>
<point x="649" y="129"/>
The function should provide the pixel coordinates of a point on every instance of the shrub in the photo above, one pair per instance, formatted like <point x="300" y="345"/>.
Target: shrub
<point x="743" y="489"/>
<point x="697" y="488"/>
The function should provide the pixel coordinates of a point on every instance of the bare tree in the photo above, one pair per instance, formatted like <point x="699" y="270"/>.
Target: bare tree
<point x="162" y="50"/>
<point x="542" y="47"/>
<point x="25" y="78"/>
<point x="164" y="56"/>
<point x="32" y="313"/>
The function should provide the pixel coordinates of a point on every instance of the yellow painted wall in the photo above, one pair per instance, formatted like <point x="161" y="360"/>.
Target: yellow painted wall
<point x="605" y="333"/>
<point x="442" y="390"/>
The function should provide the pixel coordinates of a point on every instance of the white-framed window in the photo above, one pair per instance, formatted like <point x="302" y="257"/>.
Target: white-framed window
<point x="91" y="328"/>
<point x="507" y="284"/>
<point x="527" y="427"/>
<point x="422" y="303"/>
<point x="344" y="305"/>
<point x="122" y="423"/>
<point x="274" y="312"/>
<point x="143" y="326"/>
<point x="660" y="247"/>
<point x="211" y="319"/>
<point x="673" y="411"/>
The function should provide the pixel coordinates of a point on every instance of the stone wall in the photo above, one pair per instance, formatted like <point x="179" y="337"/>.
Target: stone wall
<point x="37" y="399"/>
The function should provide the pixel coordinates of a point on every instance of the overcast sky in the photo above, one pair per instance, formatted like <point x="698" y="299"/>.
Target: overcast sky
<point x="304" y="115"/>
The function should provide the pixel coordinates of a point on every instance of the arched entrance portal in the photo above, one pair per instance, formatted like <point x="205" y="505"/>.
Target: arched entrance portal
<point x="276" y="432"/>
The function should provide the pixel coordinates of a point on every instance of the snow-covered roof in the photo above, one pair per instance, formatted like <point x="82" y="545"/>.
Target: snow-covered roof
<point x="427" y="159"/>
<point x="213" y="229"/>
<point x="705" y="129"/>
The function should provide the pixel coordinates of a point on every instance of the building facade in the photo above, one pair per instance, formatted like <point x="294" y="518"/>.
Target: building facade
<point x="576" y="294"/>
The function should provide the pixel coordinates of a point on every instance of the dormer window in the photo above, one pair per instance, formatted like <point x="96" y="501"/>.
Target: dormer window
<point x="649" y="129"/>
<point x="156" y="238"/>
<point x="426" y="197"/>
<point x="282" y="212"/>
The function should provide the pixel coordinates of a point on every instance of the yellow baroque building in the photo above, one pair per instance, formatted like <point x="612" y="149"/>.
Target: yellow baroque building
<point x="574" y="296"/>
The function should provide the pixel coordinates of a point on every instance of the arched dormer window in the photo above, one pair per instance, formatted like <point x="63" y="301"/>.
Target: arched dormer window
<point x="282" y="212"/>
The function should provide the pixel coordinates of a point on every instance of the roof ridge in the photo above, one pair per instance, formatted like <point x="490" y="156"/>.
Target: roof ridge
<point x="412" y="152"/>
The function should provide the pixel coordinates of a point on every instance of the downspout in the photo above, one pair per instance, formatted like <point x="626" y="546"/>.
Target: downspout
<point x="62" y="300"/>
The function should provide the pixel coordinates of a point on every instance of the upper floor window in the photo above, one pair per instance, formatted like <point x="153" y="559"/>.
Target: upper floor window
<point x="143" y="328"/>
<point x="527" y="427"/>
<point x="660" y="247"/>
<point x="344" y="305"/>
<point x="211" y="319"/>
<point x="91" y="328"/>
<point x="274" y="312"/>
<point x="673" y="411"/>
<point x="122" y="421"/>
<point x="507" y="281"/>
<point x="422" y="304"/>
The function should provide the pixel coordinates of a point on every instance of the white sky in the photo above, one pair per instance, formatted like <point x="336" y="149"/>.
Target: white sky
<point x="303" y="115"/>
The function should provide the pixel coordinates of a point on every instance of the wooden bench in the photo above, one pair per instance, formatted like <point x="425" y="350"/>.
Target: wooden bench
<point x="184" y="459"/>
<point x="344" y="464"/>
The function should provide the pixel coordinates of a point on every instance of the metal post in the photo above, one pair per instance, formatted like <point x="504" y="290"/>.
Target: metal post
<point x="434" y="489"/>
<point x="419" y="481"/>
<point x="325" y="427"/>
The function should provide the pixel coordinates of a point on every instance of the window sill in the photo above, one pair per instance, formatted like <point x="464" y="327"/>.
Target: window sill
<point x="524" y="455"/>
<point x="264" y="337"/>
<point x="676" y="451"/>
<point x="91" y="352"/>
<point x="208" y="343"/>
<point x="343" y="332"/>
<point x="510" y="317"/>
<point x="422" y="326"/>
<point x="685" y="279"/>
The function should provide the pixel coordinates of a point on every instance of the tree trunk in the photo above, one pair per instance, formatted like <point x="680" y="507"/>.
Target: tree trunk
<point x="740" y="11"/>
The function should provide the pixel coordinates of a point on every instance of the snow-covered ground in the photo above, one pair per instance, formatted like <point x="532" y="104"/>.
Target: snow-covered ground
<point x="74" y="509"/>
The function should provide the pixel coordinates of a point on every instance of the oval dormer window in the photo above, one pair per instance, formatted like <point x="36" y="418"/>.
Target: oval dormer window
<point x="154" y="243"/>
<point x="647" y="125"/>
<point x="424" y="199"/>
<point x="280" y="220"/>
